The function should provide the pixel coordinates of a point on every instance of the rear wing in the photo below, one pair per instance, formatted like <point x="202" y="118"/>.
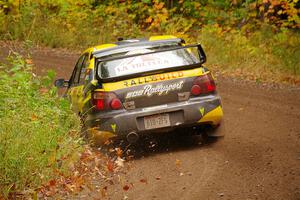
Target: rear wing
<point x="120" y="48"/>
<point x="201" y="53"/>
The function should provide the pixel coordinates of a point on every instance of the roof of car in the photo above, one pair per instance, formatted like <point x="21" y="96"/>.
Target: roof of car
<point x="106" y="49"/>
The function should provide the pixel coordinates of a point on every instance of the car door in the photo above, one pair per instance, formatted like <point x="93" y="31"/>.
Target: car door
<point x="82" y="82"/>
<point x="75" y="86"/>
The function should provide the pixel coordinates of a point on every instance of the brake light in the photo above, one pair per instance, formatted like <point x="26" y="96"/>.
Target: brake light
<point x="105" y="101"/>
<point x="196" y="90"/>
<point x="99" y="103"/>
<point x="115" y="104"/>
<point x="203" y="85"/>
<point x="210" y="87"/>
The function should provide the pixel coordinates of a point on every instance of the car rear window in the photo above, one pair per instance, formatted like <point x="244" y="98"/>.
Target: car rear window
<point x="151" y="61"/>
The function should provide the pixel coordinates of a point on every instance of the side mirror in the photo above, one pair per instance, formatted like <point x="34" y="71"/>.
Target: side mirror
<point x="60" y="83"/>
<point x="201" y="53"/>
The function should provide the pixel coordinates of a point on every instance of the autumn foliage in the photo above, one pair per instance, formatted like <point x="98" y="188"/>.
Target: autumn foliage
<point x="259" y="38"/>
<point x="253" y="39"/>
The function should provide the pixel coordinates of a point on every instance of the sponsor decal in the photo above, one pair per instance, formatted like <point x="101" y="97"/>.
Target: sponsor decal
<point x="129" y="105"/>
<point x="149" y="79"/>
<point x="147" y="62"/>
<point x="160" y="89"/>
<point x="140" y="64"/>
<point x="202" y="111"/>
<point x="183" y="96"/>
<point x="113" y="127"/>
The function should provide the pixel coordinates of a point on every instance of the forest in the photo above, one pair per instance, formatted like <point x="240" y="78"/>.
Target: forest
<point x="253" y="40"/>
<point x="257" y="39"/>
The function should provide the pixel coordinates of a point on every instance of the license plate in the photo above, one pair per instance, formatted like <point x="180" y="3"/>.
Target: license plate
<point x="157" y="121"/>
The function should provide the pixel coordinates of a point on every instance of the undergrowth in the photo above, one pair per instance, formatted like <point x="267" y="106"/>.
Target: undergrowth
<point x="38" y="132"/>
<point x="260" y="56"/>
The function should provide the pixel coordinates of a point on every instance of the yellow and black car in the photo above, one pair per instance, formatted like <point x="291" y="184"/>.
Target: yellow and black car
<point x="141" y="86"/>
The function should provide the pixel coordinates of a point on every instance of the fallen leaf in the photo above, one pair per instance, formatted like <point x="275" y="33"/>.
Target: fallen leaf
<point x="110" y="166"/>
<point x="34" y="117"/>
<point x="79" y="182"/>
<point x="52" y="183"/>
<point x="159" y="6"/>
<point x="111" y="150"/>
<point x="28" y="61"/>
<point x="119" y="152"/>
<point x="44" y="90"/>
<point x="149" y="19"/>
<point x="125" y="197"/>
<point x="107" y="142"/>
<point x="126" y="188"/>
<point x="104" y="192"/>
<point x="143" y="180"/>
<point x="119" y="162"/>
<point x="178" y="162"/>
<point x="70" y="187"/>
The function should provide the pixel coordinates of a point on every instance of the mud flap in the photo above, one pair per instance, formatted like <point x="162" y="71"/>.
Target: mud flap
<point x="216" y="131"/>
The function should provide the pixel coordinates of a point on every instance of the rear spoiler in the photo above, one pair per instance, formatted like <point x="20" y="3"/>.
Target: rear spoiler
<point x="201" y="53"/>
<point x="120" y="48"/>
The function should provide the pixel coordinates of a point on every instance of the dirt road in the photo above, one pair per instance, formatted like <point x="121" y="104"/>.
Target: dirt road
<point x="259" y="158"/>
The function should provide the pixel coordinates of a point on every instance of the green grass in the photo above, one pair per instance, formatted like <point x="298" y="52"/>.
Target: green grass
<point x="38" y="132"/>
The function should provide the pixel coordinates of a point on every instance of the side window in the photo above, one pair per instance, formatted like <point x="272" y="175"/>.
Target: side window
<point x="78" y="67"/>
<point x="83" y="69"/>
<point x="77" y="70"/>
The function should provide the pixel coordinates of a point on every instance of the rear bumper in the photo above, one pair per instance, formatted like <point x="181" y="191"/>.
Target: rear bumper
<point x="195" y="111"/>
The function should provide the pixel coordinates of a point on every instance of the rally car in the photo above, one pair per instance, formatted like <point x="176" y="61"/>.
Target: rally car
<point x="141" y="86"/>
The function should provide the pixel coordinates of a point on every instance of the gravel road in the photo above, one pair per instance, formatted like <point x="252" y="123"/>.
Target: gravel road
<point x="259" y="158"/>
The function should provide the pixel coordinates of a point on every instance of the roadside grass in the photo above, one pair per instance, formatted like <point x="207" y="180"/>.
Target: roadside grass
<point x="260" y="56"/>
<point x="38" y="132"/>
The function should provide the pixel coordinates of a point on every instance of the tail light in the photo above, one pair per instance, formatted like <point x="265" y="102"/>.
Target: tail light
<point x="106" y="101"/>
<point x="203" y="85"/>
<point x="115" y="104"/>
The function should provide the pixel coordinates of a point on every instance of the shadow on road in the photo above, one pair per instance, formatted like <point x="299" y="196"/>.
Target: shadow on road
<point x="160" y="143"/>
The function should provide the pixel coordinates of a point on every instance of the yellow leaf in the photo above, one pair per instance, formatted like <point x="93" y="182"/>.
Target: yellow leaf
<point x="261" y="8"/>
<point x="28" y="61"/>
<point x="149" y="20"/>
<point x="34" y="117"/>
<point x="159" y="6"/>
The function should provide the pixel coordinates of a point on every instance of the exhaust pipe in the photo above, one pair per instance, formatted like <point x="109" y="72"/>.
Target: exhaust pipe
<point x="132" y="137"/>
